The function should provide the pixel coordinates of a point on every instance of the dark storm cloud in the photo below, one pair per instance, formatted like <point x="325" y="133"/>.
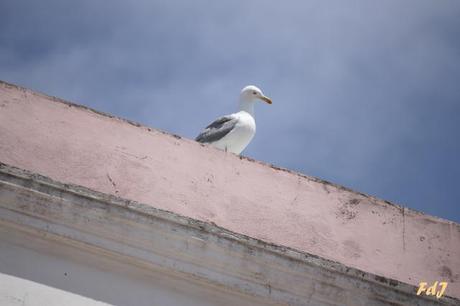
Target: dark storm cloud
<point x="365" y="93"/>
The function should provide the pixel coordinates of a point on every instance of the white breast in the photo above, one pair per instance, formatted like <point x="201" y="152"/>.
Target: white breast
<point x="237" y="140"/>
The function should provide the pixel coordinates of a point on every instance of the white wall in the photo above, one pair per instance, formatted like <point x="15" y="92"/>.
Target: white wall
<point x="15" y="291"/>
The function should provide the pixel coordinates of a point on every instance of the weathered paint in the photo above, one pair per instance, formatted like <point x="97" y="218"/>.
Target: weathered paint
<point x="76" y="145"/>
<point x="73" y="238"/>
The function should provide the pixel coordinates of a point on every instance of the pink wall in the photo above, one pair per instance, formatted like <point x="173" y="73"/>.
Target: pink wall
<point x="76" y="145"/>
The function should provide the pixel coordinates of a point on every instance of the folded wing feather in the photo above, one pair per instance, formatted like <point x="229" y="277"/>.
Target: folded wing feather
<point x="217" y="129"/>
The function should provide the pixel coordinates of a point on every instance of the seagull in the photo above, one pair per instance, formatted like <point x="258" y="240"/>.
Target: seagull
<point x="234" y="132"/>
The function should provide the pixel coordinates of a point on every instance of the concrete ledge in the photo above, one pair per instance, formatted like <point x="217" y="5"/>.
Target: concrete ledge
<point x="141" y="234"/>
<point x="79" y="146"/>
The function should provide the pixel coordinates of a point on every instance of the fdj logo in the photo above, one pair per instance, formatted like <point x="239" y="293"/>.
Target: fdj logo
<point x="432" y="290"/>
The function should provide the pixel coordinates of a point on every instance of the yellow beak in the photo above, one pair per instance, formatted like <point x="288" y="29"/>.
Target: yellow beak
<point x="266" y="99"/>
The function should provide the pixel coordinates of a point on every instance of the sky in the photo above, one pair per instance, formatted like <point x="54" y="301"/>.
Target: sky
<point x="366" y="93"/>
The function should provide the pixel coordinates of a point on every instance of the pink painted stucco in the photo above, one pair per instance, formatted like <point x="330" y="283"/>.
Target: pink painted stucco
<point x="75" y="145"/>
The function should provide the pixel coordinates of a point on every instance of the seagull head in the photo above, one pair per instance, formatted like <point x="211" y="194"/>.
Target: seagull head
<point x="252" y="93"/>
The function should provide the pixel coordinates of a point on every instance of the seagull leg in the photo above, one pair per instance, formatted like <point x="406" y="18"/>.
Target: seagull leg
<point x="225" y="148"/>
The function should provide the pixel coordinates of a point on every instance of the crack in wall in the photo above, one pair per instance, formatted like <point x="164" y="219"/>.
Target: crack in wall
<point x="404" y="228"/>
<point x="113" y="183"/>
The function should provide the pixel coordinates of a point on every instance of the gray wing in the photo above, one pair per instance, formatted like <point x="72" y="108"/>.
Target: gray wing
<point x="217" y="129"/>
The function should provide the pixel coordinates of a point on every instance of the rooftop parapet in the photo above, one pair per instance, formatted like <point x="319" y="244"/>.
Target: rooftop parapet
<point x="75" y="145"/>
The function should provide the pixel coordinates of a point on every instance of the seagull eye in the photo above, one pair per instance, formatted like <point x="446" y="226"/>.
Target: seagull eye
<point x="254" y="93"/>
